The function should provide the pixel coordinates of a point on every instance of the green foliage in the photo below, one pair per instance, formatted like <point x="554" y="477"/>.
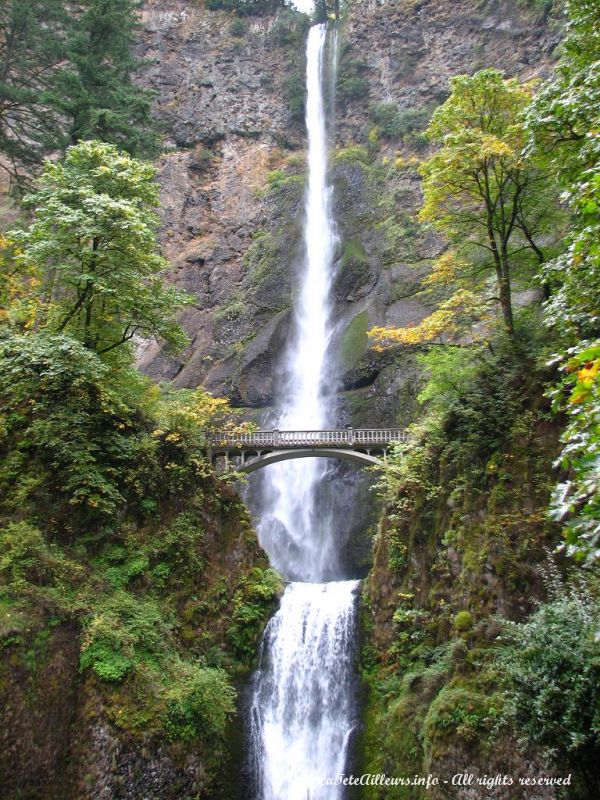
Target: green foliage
<point x="28" y="561"/>
<point x="238" y="27"/>
<point x="576" y="500"/>
<point x="354" y="153"/>
<point x="294" y="94"/>
<point x="549" y="667"/>
<point x="494" y="204"/>
<point x="94" y="235"/>
<point x="563" y="125"/>
<point x="458" y="711"/>
<point x="69" y="79"/>
<point x="448" y="371"/>
<point x="79" y="440"/>
<point x="63" y="428"/>
<point x="397" y="123"/>
<point x="352" y="83"/>
<point x="289" y="28"/>
<point x="463" y="621"/>
<point x="29" y="55"/>
<point x="180" y="545"/>
<point x="93" y="92"/>
<point x="123" y="631"/>
<point x="252" y="604"/>
<point x="199" y="703"/>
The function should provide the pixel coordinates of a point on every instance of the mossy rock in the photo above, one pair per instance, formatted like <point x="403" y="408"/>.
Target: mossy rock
<point x="354" y="276"/>
<point x="354" y="342"/>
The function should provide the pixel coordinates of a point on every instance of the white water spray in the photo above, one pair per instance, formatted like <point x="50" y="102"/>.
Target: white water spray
<point x="295" y="536"/>
<point x="302" y="710"/>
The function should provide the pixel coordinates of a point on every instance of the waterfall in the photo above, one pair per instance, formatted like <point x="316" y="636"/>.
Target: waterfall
<point x="302" y="708"/>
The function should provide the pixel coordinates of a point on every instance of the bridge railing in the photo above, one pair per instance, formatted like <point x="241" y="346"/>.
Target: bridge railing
<point x="283" y="439"/>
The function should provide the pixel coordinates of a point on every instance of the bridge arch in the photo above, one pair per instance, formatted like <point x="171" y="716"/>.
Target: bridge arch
<point x="274" y="456"/>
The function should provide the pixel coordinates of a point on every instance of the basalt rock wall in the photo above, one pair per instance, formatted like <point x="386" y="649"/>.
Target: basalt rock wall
<point x="230" y="93"/>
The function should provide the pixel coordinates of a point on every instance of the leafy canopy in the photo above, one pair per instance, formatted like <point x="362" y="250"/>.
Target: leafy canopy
<point x="94" y="238"/>
<point x="564" y="122"/>
<point x="492" y="203"/>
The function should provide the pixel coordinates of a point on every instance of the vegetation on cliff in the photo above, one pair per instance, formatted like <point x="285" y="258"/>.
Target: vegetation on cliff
<point x="460" y="654"/>
<point x="118" y="545"/>
<point x="112" y="524"/>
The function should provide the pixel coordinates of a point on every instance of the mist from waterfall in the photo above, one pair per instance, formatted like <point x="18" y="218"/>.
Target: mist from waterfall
<point x="302" y="711"/>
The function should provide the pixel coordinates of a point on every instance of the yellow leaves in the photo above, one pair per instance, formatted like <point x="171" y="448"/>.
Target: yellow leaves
<point x="20" y="285"/>
<point x="446" y="269"/>
<point x="589" y="371"/>
<point x="493" y="147"/>
<point x="587" y="378"/>
<point x="195" y="411"/>
<point x="445" y="321"/>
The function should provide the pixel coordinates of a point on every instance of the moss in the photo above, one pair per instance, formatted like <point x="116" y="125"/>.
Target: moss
<point x="463" y="621"/>
<point x="355" y="341"/>
<point x="354" y="153"/>
<point x="354" y="270"/>
<point x="459" y="710"/>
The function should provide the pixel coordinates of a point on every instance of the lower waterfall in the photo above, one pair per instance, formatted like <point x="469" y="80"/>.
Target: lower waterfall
<point x="302" y="710"/>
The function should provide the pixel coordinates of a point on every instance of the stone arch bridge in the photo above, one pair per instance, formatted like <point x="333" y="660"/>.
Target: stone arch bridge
<point x="248" y="452"/>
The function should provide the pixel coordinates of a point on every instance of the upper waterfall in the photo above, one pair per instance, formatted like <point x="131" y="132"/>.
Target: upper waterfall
<point x="296" y="537"/>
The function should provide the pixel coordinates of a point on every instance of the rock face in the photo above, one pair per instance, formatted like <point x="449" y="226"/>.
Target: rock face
<point x="221" y="96"/>
<point x="230" y="92"/>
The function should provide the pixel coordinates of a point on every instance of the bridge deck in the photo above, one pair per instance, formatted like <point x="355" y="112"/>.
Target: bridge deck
<point x="285" y="440"/>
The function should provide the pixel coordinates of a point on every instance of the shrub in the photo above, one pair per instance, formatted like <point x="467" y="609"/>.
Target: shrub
<point x="352" y="83"/>
<point x="238" y="27"/>
<point x="290" y="28"/>
<point x="199" y="702"/>
<point x="65" y="427"/>
<point x="463" y="621"/>
<point x="28" y="560"/>
<point x="550" y="672"/>
<point x="123" y="632"/>
<point x="396" y="123"/>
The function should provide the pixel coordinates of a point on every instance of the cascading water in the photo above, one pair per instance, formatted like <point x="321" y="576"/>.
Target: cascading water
<point x="302" y="709"/>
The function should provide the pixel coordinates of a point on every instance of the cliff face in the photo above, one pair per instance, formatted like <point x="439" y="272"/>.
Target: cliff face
<point x="230" y="94"/>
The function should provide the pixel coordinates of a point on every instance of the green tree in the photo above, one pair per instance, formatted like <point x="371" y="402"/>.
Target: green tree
<point x="564" y="122"/>
<point x="492" y="202"/>
<point x="70" y="78"/>
<point x="29" y="55"/>
<point x="94" y="92"/>
<point x="94" y="237"/>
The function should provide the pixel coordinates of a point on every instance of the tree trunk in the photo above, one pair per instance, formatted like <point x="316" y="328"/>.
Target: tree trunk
<point x="505" y="292"/>
<point x="506" y="304"/>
